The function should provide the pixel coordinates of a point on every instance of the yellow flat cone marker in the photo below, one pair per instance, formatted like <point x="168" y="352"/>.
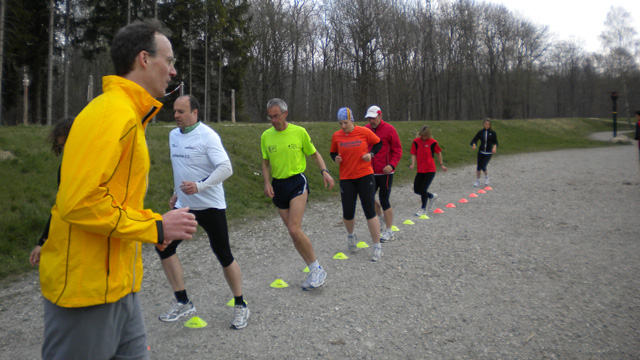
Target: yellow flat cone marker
<point x="232" y="302"/>
<point x="340" y="256"/>
<point x="438" y="211"/>
<point x="306" y="269"/>
<point x="450" y="205"/>
<point x="481" y="191"/>
<point x="394" y="228"/>
<point x="279" y="284"/>
<point x="473" y="195"/>
<point x="424" y="217"/>
<point x="195" y="323"/>
<point x="464" y="201"/>
<point x="488" y="188"/>
<point x="362" y="245"/>
<point x="408" y="222"/>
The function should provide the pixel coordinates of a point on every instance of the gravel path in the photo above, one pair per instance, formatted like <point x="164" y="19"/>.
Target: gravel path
<point x="545" y="266"/>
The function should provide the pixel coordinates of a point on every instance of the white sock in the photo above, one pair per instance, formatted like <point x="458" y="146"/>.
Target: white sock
<point x="314" y="265"/>
<point x="378" y="245"/>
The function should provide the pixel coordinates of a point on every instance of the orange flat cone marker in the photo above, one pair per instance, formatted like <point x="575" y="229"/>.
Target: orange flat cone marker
<point x="481" y="191"/>
<point x="464" y="201"/>
<point x="488" y="188"/>
<point x="473" y="195"/>
<point x="438" y="211"/>
<point x="450" y="205"/>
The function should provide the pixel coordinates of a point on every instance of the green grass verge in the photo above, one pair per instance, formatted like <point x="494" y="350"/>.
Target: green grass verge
<point x="29" y="180"/>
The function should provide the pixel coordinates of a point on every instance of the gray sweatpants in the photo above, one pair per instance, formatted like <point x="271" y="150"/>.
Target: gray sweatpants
<point x="109" y="331"/>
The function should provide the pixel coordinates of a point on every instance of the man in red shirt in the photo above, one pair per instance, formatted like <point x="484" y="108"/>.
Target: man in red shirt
<point x="384" y="165"/>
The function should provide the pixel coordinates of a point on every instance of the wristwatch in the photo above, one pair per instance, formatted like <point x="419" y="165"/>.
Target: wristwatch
<point x="323" y="170"/>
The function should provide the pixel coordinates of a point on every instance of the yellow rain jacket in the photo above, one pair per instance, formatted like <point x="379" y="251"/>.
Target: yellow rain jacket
<point x="93" y="254"/>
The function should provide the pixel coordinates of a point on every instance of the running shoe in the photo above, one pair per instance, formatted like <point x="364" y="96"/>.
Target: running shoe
<point x="486" y="181"/>
<point x="178" y="310"/>
<point x="352" y="241"/>
<point x="387" y="235"/>
<point x="240" y="317"/>
<point x="431" y="204"/>
<point x="421" y="212"/>
<point x="315" y="279"/>
<point x="476" y="183"/>
<point x="377" y="253"/>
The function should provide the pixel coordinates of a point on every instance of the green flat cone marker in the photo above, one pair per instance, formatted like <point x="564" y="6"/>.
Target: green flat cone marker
<point x="394" y="228"/>
<point x="232" y="302"/>
<point x="340" y="256"/>
<point x="408" y="222"/>
<point x="362" y="245"/>
<point x="195" y="323"/>
<point x="279" y="283"/>
<point x="306" y="269"/>
<point x="423" y="217"/>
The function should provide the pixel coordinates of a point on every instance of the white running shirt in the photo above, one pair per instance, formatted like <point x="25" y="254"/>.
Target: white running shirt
<point x="200" y="157"/>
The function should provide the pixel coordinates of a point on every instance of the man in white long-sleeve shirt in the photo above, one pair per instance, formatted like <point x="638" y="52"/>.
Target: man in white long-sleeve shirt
<point x="200" y="165"/>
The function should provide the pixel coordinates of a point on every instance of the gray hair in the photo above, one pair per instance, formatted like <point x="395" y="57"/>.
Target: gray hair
<point x="277" y="102"/>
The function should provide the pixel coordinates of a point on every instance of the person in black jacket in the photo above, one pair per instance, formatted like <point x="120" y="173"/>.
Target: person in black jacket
<point x="488" y="144"/>
<point x="637" y="137"/>
<point x="58" y="137"/>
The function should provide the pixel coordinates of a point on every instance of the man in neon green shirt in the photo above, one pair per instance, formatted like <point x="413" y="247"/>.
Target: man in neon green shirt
<point x="284" y="150"/>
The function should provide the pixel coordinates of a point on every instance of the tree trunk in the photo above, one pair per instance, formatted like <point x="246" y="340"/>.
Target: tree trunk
<point x="50" y="64"/>
<point x="66" y="59"/>
<point x="2" y="6"/>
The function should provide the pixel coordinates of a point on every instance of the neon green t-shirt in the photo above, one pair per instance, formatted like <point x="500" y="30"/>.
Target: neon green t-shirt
<point x="286" y="150"/>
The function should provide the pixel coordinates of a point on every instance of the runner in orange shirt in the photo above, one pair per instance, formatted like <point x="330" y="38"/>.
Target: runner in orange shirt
<point x="350" y="150"/>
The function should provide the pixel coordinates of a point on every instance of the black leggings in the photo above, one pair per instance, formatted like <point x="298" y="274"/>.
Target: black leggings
<point x="421" y="184"/>
<point x="384" y="182"/>
<point x="349" y="191"/>
<point x="483" y="161"/>
<point x="214" y="223"/>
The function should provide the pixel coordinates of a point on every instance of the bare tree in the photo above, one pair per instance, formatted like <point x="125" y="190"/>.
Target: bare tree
<point x="2" y="25"/>
<point x="621" y="49"/>
<point x="52" y="9"/>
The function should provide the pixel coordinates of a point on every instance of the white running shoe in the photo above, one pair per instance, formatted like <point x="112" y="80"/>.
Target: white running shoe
<point x="178" y="310"/>
<point x="486" y="181"/>
<point x="431" y="203"/>
<point x="387" y="235"/>
<point x="315" y="279"/>
<point x="352" y="241"/>
<point x="240" y="317"/>
<point x="421" y="211"/>
<point x="476" y="183"/>
<point x="377" y="253"/>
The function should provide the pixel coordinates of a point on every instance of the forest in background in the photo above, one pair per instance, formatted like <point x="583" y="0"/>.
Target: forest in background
<point x="416" y="59"/>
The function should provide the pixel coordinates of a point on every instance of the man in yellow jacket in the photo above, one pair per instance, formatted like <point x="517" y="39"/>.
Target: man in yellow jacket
<point x="91" y="264"/>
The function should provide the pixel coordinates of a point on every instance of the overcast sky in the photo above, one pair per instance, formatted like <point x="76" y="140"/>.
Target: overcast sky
<point x="579" y="19"/>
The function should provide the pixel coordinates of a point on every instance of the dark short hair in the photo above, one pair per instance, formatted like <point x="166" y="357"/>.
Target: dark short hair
<point x="133" y="38"/>
<point x="62" y="128"/>
<point x="193" y="102"/>
<point x="638" y="112"/>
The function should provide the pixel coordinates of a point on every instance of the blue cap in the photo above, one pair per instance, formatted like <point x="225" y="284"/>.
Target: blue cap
<point x="345" y="114"/>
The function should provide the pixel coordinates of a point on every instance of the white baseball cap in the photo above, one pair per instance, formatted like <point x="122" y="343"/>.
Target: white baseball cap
<point x="373" y="112"/>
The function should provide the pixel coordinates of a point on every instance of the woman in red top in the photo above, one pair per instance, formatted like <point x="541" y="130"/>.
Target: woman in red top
<point x="350" y="150"/>
<point x="423" y="149"/>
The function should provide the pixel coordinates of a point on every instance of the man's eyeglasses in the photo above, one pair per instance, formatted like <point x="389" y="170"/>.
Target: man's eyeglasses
<point x="170" y="59"/>
<point x="276" y="116"/>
